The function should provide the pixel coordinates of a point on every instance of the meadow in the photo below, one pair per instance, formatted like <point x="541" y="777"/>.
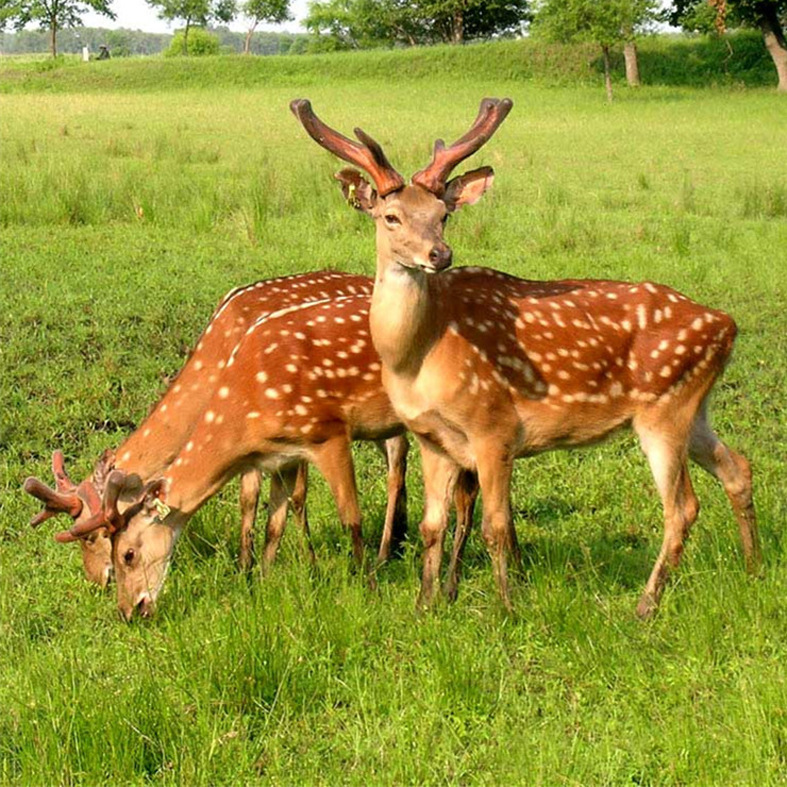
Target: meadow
<point x="126" y="213"/>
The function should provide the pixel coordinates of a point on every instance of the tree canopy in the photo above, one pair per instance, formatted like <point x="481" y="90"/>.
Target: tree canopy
<point x="194" y="12"/>
<point x="349" y="24"/>
<point x="52" y="15"/>
<point x="769" y="16"/>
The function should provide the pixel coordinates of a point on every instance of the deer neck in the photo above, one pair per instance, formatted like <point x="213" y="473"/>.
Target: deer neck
<point x="403" y="319"/>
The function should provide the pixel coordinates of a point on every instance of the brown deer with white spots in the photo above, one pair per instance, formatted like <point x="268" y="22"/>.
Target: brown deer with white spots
<point x="300" y="384"/>
<point x="153" y="446"/>
<point x="483" y="367"/>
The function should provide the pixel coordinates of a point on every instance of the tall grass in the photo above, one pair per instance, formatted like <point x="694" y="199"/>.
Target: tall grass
<point x="123" y="218"/>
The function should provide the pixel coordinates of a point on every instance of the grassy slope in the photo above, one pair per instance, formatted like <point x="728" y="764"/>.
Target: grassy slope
<point x="737" y="59"/>
<point x="312" y="679"/>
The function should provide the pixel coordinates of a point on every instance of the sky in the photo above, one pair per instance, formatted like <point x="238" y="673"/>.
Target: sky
<point x="138" y="15"/>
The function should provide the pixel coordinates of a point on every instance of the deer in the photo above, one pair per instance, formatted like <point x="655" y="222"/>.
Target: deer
<point x="300" y="384"/>
<point x="152" y="447"/>
<point x="484" y="368"/>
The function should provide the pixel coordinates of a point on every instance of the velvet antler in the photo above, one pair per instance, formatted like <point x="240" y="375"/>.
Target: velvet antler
<point x="61" y="500"/>
<point x="368" y="156"/>
<point x="491" y="114"/>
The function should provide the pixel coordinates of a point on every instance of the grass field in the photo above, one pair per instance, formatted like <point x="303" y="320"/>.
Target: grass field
<point x="125" y="215"/>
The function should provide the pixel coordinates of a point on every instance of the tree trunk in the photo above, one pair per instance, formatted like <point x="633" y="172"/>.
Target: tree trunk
<point x="632" y="64"/>
<point x="247" y="42"/>
<point x="53" y="38"/>
<point x="607" y="71"/>
<point x="458" y="27"/>
<point x="186" y="37"/>
<point x="775" y="43"/>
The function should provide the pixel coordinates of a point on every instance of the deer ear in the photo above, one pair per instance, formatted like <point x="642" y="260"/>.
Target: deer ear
<point x="467" y="189"/>
<point x="357" y="190"/>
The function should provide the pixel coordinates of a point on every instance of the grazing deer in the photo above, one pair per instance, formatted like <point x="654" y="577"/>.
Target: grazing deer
<point x="483" y="367"/>
<point x="153" y="446"/>
<point x="300" y="384"/>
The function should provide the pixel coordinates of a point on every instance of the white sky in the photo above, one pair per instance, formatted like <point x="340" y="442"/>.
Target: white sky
<point x="138" y="15"/>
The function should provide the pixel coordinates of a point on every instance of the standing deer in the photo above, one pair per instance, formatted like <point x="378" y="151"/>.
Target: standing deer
<point x="153" y="446"/>
<point x="300" y="385"/>
<point x="483" y="367"/>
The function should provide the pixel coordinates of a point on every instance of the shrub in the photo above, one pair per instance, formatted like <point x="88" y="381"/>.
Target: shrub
<point x="200" y="42"/>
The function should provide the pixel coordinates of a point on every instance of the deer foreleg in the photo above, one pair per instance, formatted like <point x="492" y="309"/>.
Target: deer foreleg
<point x="334" y="460"/>
<point x="440" y="476"/>
<point x="249" y="499"/>
<point x="494" y="476"/>
<point x="465" y="496"/>
<point x="298" y="504"/>
<point x="282" y="484"/>
<point x="395" y="529"/>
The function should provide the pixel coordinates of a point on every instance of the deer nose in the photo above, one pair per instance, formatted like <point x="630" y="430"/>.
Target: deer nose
<point x="440" y="256"/>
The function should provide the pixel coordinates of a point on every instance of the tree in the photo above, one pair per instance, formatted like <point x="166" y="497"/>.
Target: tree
<point x="769" y="16"/>
<point x="8" y="11"/>
<point x="54" y="15"/>
<point x="194" y="12"/>
<point x="604" y="22"/>
<point x="350" y="24"/>
<point x="256" y="11"/>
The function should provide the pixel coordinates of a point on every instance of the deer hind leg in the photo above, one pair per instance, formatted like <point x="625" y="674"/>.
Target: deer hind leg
<point x="497" y="528"/>
<point x="440" y="477"/>
<point x="395" y="530"/>
<point x="734" y="472"/>
<point x="334" y="460"/>
<point x="249" y="499"/>
<point x="465" y="496"/>
<point x="666" y="455"/>
<point x="282" y="484"/>
<point x="298" y="504"/>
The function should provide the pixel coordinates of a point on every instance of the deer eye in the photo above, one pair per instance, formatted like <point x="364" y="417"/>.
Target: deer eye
<point x="128" y="556"/>
<point x="392" y="220"/>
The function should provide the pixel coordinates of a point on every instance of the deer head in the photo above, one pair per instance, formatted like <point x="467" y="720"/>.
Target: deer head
<point x="82" y="502"/>
<point x="128" y="508"/>
<point x="410" y="218"/>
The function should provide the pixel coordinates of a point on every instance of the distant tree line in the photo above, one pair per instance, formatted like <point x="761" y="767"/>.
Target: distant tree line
<point x="125" y="43"/>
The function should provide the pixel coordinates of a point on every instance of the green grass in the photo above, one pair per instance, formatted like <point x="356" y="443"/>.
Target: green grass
<point x="308" y="677"/>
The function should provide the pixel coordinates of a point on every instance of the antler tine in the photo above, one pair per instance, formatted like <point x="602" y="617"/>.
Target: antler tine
<point x="491" y="113"/>
<point x="62" y="481"/>
<point x="55" y="502"/>
<point x="368" y="156"/>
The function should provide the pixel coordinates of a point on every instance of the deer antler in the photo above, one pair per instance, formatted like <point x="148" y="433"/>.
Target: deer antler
<point x="491" y="114"/>
<point x="368" y="156"/>
<point x="107" y="514"/>
<point x="62" y="500"/>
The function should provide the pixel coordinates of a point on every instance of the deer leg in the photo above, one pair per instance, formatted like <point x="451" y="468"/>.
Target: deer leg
<point x="395" y="529"/>
<point x="249" y="499"/>
<point x="298" y="504"/>
<point x="667" y="458"/>
<point x="465" y="496"/>
<point x="495" y="479"/>
<point x="334" y="460"/>
<point x="440" y="476"/>
<point x="734" y="472"/>
<point x="282" y="483"/>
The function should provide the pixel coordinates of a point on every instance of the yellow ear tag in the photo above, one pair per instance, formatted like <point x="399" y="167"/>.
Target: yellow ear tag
<point x="352" y="200"/>
<point x="162" y="509"/>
